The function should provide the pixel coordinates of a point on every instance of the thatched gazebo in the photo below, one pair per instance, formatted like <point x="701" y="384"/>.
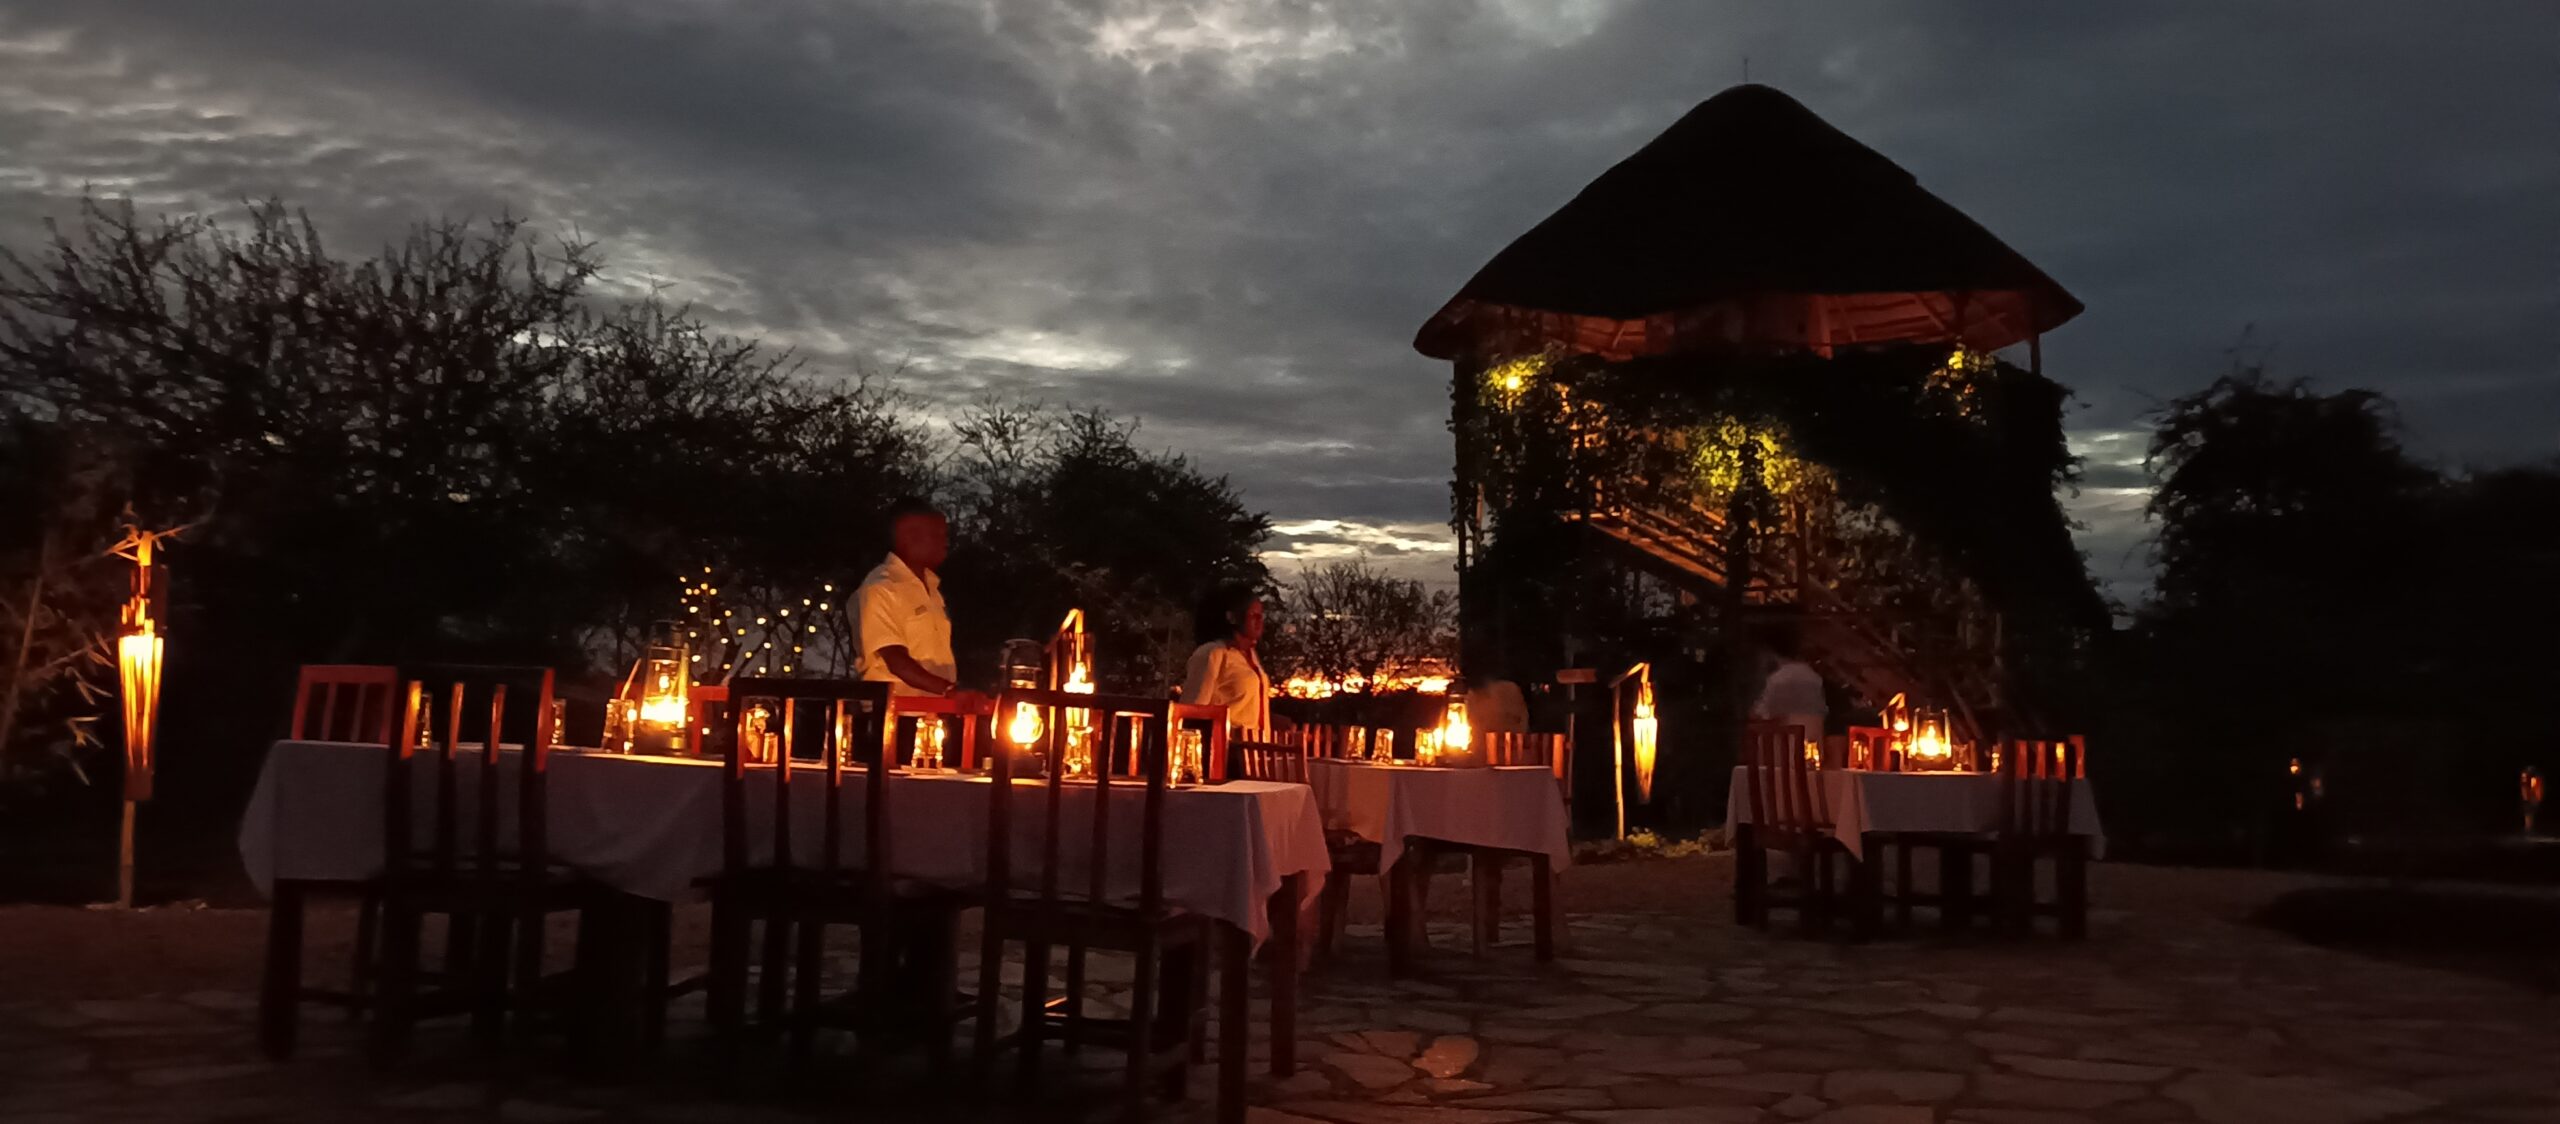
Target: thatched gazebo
<point x="1750" y="224"/>
<point x="1788" y="284"/>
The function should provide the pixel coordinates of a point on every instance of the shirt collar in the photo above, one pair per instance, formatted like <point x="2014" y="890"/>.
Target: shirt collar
<point x="899" y="570"/>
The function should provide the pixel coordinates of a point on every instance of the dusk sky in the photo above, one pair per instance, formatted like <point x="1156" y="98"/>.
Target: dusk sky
<point x="1227" y="218"/>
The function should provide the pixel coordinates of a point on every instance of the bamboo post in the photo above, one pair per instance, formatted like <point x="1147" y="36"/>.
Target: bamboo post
<point x="124" y="861"/>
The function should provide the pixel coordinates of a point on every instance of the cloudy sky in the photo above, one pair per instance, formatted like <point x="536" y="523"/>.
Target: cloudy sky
<point x="1227" y="217"/>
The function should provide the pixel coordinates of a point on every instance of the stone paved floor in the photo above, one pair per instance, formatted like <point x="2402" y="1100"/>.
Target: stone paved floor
<point x="2176" y="1010"/>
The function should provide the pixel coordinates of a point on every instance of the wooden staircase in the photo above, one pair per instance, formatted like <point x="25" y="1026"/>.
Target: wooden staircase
<point x="1684" y="545"/>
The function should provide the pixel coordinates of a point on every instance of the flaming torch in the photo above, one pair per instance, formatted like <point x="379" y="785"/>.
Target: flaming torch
<point x="1641" y="728"/>
<point x="140" y="649"/>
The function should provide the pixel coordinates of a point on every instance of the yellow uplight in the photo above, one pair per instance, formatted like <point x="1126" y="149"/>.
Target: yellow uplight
<point x="1647" y="731"/>
<point x="138" y="657"/>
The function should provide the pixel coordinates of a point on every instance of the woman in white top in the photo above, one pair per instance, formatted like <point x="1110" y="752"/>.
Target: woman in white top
<point x="1225" y="669"/>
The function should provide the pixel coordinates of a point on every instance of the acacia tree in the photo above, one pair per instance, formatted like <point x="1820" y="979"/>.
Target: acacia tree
<point x="59" y="494"/>
<point x="443" y="450"/>
<point x="1355" y="628"/>
<point x="1054" y="509"/>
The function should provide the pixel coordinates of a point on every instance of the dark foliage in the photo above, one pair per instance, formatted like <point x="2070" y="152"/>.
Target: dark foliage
<point x="452" y="450"/>
<point x="1053" y="509"/>
<point x="2324" y="598"/>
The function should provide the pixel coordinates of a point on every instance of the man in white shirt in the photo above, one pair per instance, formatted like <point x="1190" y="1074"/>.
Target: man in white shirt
<point x="902" y="633"/>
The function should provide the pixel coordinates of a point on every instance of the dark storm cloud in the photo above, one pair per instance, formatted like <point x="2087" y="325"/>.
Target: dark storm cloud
<point x="1229" y="216"/>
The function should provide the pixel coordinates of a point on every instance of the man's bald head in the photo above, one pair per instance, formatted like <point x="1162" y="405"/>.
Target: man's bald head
<point x="919" y="534"/>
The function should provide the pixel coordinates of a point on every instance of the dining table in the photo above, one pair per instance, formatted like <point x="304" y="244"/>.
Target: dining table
<point x="1406" y="809"/>
<point x="1869" y="805"/>
<point x="1873" y="808"/>
<point x="1247" y="854"/>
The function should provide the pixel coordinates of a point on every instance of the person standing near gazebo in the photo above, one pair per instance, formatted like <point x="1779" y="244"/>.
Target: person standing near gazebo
<point x="1792" y="694"/>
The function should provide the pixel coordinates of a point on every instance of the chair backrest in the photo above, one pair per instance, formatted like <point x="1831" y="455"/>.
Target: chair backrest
<point x="2035" y="785"/>
<point x="346" y="702"/>
<point x="487" y="703"/>
<point x="1272" y="761"/>
<point x="1508" y="747"/>
<point x="1152" y="735"/>
<point x="848" y="720"/>
<point x="1871" y="747"/>
<point x="706" y="709"/>
<point x="1329" y="741"/>
<point x="1211" y="721"/>
<point x="1783" y="792"/>
<point x="908" y="713"/>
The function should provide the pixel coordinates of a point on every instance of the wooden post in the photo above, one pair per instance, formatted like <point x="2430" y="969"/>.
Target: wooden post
<point x="1618" y="757"/>
<point x="124" y="861"/>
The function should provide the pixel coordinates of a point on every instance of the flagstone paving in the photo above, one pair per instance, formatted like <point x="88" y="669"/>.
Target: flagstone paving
<point x="1663" y="1011"/>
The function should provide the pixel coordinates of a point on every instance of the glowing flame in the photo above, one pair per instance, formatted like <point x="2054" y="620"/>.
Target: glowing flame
<point x="1930" y="744"/>
<point x="1078" y="681"/>
<point x="1025" y="727"/>
<point x="1455" y="735"/>
<point x="665" y="710"/>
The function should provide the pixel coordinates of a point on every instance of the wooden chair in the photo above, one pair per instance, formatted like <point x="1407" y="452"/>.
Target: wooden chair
<point x="1270" y="761"/>
<point x="497" y="893"/>
<point x="1211" y="721"/>
<point x="906" y="985"/>
<point x="1871" y="747"/>
<point x="1334" y="742"/>
<point x="342" y="702"/>
<point x="1788" y="814"/>
<point x="1167" y="1016"/>
<point x="339" y="703"/>
<point x="1484" y="864"/>
<point x="706" y="707"/>
<point x="908" y="712"/>
<point x="2035" y="823"/>
<point x="1285" y="761"/>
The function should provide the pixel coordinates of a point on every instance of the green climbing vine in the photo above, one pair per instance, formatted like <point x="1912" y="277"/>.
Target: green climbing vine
<point x="1922" y="483"/>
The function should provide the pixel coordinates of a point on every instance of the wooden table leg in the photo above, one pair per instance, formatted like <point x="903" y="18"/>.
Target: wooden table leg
<point x="1542" y="907"/>
<point x="1750" y="876"/>
<point x="1400" y="918"/>
<point x="1235" y="1022"/>
<point x="1284" y="975"/>
<point x="280" y="991"/>
<point x="2071" y="888"/>
<point x="1866" y="892"/>
<point x="1484" y="879"/>
<point x="1955" y="888"/>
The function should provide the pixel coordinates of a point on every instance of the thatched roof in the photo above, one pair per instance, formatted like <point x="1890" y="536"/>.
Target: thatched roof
<point x="1749" y="224"/>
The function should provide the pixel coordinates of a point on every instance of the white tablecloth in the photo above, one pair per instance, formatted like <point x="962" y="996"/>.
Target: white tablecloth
<point x="1515" y="807"/>
<point x="651" y="826"/>
<point x="1863" y="800"/>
